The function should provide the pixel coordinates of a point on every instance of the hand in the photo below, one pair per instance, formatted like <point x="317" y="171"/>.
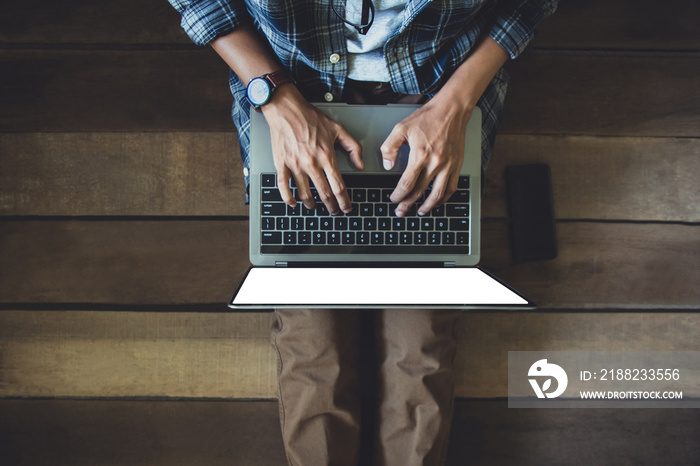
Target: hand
<point x="303" y="140"/>
<point x="435" y="136"/>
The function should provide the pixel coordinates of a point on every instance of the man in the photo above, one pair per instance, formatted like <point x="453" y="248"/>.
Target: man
<point x="448" y="54"/>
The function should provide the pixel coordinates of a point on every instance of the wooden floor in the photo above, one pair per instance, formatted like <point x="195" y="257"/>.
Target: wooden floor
<point x="170" y="433"/>
<point x="123" y="232"/>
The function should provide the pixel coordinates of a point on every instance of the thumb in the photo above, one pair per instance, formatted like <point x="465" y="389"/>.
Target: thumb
<point x="391" y="146"/>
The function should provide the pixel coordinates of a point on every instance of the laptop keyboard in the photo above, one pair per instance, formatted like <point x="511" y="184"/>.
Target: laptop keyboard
<point x="371" y="223"/>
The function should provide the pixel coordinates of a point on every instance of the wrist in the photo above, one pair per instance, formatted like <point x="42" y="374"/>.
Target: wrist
<point x="260" y="90"/>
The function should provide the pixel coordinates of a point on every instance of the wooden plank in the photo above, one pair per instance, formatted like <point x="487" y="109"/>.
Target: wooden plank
<point x="608" y="94"/>
<point x="114" y="91"/>
<point x="600" y="265"/>
<point x="218" y="433"/>
<point x="611" y="178"/>
<point x="624" y="24"/>
<point x="200" y="174"/>
<point x="220" y="355"/>
<point x="137" y="262"/>
<point x="605" y="266"/>
<point x="121" y="174"/>
<point x="183" y="90"/>
<point x="111" y="22"/>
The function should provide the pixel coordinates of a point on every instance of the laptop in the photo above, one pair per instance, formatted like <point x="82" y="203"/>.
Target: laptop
<point x="369" y="258"/>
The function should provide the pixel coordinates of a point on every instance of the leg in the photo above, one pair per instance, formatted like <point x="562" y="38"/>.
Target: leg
<point x="318" y="385"/>
<point x="416" y="386"/>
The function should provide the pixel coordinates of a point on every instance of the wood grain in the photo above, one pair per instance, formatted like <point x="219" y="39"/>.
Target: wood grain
<point x="186" y="90"/>
<point x="600" y="265"/>
<point x="577" y="24"/>
<point x="225" y="355"/>
<point x="74" y="174"/>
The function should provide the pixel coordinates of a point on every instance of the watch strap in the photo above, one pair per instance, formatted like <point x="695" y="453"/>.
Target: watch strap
<point x="279" y="77"/>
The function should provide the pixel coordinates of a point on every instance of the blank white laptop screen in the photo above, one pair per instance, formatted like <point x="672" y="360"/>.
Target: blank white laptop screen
<point x="351" y="287"/>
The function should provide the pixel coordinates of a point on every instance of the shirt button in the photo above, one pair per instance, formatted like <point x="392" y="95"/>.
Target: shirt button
<point x="328" y="96"/>
<point x="335" y="58"/>
<point x="246" y="172"/>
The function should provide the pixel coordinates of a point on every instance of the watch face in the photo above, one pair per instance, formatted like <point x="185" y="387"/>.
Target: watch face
<point x="258" y="91"/>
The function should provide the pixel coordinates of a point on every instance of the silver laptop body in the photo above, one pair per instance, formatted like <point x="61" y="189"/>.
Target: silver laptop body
<point x="417" y="275"/>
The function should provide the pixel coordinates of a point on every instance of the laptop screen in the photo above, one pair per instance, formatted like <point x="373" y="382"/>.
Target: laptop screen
<point x="356" y="287"/>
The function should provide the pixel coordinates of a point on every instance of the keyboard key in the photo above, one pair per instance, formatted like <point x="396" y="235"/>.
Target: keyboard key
<point x="348" y="237"/>
<point x="441" y="224"/>
<point x="341" y="223"/>
<point x="359" y="195"/>
<point x="290" y="237"/>
<point x="378" y="237"/>
<point x="463" y="182"/>
<point x="386" y="193"/>
<point x="366" y="210"/>
<point x="457" y="210"/>
<point x="392" y="237"/>
<point x="460" y="196"/>
<point x="427" y="224"/>
<point x="319" y="237"/>
<point x="459" y="224"/>
<point x="413" y="223"/>
<point x="420" y="237"/>
<point x="438" y="211"/>
<point x="333" y="237"/>
<point x="271" y="194"/>
<point x="268" y="223"/>
<point x="297" y="223"/>
<point x="398" y="223"/>
<point x="321" y="210"/>
<point x="448" y="237"/>
<point x="462" y="237"/>
<point x="384" y="223"/>
<point x="314" y="194"/>
<point x="381" y="210"/>
<point x="370" y="224"/>
<point x="272" y="237"/>
<point x="355" y="223"/>
<point x="312" y="223"/>
<point x="354" y="211"/>
<point x="274" y="208"/>
<point x="373" y="195"/>
<point x="362" y="237"/>
<point x="304" y="237"/>
<point x="406" y="237"/>
<point x="269" y="180"/>
<point x="434" y="237"/>
<point x="282" y="223"/>
<point x="294" y="211"/>
<point x="306" y="212"/>
<point x="326" y="223"/>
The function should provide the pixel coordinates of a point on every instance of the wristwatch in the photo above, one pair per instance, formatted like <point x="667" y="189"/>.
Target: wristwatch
<point x="259" y="90"/>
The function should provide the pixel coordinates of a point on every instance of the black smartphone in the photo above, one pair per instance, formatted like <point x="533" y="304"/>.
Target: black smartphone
<point x="532" y="223"/>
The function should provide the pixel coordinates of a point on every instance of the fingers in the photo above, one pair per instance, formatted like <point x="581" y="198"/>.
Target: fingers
<point x="283" y="177"/>
<point x="391" y="146"/>
<point x="444" y="186"/>
<point x="351" y="145"/>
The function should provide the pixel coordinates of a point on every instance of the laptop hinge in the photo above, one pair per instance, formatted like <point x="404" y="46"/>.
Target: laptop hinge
<point x="280" y="264"/>
<point x="449" y="264"/>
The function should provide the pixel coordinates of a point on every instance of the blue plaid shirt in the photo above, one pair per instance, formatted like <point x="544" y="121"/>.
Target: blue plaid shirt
<point x="435" y="38"/>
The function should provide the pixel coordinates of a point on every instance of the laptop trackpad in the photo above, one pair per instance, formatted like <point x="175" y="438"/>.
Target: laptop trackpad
<point x="453" y="287"/>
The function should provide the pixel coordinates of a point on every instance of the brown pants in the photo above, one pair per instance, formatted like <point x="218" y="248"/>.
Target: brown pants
<point x="321" y="385"/>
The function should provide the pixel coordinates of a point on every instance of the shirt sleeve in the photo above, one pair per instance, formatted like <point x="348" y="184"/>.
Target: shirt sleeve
<point x="516" y="21"/>
<point x="205" y="20"/>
